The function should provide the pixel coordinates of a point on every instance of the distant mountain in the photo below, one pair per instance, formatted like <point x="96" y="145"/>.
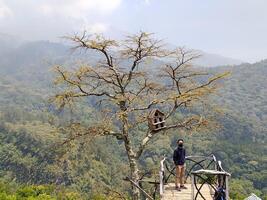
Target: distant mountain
<point x="245" y="91"/>
<point x="15" y="54"/>
<point x="30" y="53"/>
<point x="8" y="42"/>
<point x="211" y="59"/>
<point x="214" y="60"/>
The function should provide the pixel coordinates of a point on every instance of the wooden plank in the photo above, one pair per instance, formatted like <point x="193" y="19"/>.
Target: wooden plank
<point x="170" y="193"/>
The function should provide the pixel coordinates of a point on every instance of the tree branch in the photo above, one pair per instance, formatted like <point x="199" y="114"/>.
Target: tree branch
<point x="92" y="131"/>
<point x="188" y="124"/>
<point x="140" y="47"/>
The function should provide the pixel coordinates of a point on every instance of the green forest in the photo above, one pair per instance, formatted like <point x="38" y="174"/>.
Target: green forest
<point x="36" y="163"/>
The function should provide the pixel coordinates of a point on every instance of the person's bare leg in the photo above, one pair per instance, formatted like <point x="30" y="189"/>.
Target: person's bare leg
<point x="180" y="174"/>
<point x="177" y="178"/>
<point x="182" y="178"/>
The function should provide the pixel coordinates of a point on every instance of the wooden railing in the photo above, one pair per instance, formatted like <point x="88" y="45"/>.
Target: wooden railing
<point x="193" y="164"/>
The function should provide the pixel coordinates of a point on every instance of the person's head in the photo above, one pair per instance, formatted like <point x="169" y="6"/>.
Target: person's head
<point x="180" y="142"/>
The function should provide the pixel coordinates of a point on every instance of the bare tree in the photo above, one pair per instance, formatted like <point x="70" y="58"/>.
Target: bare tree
<point x="131" y="87"/>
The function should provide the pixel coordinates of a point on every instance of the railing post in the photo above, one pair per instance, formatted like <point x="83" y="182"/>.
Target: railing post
<point x="192" y="186"/>
<point x="227" y="188"/>
<point x="161" y="177"/>
<point x="161" y="187"/>
<point x="215" y="162"/>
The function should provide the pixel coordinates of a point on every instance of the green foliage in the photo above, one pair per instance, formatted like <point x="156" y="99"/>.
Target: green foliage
<point x="31" y="150"/>
<point x="36" y="192"/>
<point x="240" y="189"/>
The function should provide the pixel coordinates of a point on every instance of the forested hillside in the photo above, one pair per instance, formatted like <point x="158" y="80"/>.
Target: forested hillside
<point x="31" y="133"/>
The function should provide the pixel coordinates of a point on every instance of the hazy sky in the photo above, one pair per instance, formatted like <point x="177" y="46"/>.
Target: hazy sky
<point x="233" y="28"/>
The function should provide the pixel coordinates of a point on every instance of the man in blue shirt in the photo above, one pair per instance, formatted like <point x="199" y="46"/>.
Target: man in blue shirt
<point x="179" y="161"/>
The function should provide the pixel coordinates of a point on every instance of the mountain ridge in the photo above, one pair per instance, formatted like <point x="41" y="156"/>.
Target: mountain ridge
<point x="56" y="49"/>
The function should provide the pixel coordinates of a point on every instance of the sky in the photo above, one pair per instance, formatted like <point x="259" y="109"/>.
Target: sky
<point x="232" y="28"/>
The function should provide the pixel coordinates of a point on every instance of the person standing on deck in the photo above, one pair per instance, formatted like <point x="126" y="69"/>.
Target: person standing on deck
<point x="179" y="161"/>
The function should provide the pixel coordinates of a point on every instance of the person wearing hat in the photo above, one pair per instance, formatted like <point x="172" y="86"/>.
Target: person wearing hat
<point x="179" y="161"/>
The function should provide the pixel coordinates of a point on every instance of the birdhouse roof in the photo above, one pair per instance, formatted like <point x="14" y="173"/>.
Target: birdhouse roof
<point x="153" y="112"/>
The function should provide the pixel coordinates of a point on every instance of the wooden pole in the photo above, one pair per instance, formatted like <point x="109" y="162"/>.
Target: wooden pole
<point x="192" y="186"/>
<point x="161" y="177"/>
<point x="227" y="188"/>
<point x="161" y="184"/>
<point x="136" y="185"/>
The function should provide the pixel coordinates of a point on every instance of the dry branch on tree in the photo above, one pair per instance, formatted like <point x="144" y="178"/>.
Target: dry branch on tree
<point x="131" y="86"/>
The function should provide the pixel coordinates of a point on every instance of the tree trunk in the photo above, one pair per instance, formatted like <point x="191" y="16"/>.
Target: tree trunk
<point x="133" y="168"/>
<point x="130" y="153"/>
<point x="135" y="178"/>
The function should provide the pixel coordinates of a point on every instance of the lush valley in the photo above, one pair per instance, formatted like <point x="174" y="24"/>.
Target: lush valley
<point x="31" y="134"/>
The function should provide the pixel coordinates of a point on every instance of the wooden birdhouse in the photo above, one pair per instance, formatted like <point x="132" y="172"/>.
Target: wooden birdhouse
<point x="156" y="120"/>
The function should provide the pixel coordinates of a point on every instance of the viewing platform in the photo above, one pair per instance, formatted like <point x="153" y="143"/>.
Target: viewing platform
<point x="205" y="180"/>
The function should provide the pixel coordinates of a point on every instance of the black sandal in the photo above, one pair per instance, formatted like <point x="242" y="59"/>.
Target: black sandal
<point x="183" y="187"/>
<point x="177" y="188"/>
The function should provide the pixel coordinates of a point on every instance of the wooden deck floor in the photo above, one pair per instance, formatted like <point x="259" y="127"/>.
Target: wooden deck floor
<point x="185" y="194"/>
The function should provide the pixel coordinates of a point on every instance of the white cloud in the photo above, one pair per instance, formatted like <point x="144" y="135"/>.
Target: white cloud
<point x="147" y="2"/>
<point x="5" y="11"/>
<point x="79" y="8"/>
<point x="81" y="14"/>
<point x="96" y="28"/>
